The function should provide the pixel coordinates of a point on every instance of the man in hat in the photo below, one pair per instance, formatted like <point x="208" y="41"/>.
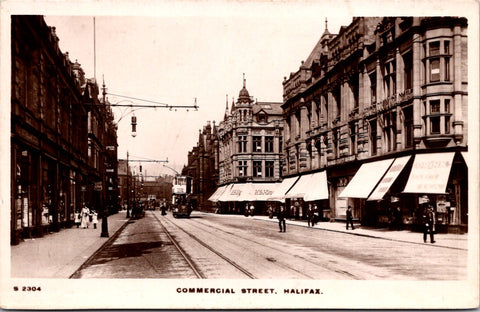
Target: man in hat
<point x="428" y="223"/>
<point x="350" y="217"/>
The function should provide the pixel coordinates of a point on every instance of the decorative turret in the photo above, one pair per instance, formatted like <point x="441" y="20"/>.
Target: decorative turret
<point x="244" y="96"/>
<point x="226" y="108"/>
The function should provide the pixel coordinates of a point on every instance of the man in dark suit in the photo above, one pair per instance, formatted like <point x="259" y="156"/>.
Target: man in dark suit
<point x="350" y="217"/>
<point x="428" y="224"/>
<point x="281" y="219"/>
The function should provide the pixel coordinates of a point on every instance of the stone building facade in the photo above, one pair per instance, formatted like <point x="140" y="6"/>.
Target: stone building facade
<point x="250" y="139"/>
<point x="389" y="95"/>
<point x="50" y="165"/>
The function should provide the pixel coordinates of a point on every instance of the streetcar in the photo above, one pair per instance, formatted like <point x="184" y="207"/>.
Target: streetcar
<point x="181" y="191"/>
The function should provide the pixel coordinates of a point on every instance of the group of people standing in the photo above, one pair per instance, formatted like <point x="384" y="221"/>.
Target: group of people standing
<point x="85" y="217"/>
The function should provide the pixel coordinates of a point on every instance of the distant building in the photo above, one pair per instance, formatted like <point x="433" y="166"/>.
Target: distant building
<point x="381" y="108"/>
<point x="202" y="166"/>
<point x="250" y="153"/>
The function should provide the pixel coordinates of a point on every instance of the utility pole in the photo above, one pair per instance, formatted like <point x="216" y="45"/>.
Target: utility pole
<point x="105" y="210"/>
<point x="128" y="189"/>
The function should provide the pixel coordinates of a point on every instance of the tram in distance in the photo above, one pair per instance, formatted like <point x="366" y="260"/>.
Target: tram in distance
<point x="181" y="191"/>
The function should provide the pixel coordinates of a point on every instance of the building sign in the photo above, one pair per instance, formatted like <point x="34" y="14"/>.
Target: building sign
<point x="430" y="173"/>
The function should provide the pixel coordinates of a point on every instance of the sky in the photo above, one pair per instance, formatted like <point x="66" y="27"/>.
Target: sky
<point x="178" y="58"/>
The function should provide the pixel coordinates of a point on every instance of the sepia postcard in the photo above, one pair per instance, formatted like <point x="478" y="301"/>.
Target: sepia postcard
<point x="239" y="155"/>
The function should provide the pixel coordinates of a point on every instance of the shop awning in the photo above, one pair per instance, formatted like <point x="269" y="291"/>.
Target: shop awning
<point x="262" y="191"/>
<point x="310" y="187"/>
<point x="300" y="188"/>
<point x="465" y="157"/>
<point x="430" y="173"/>
<point x="237" y="192"/>
<point x="282" y="188"/>
<point x="318" y="187"/>
<point x="389" y="177"/>
<point x="217" y="194"/>
<point x="226" y="192"/>
<point x="366" y="178"/>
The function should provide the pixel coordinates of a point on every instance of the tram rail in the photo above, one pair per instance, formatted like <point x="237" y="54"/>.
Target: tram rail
<point x="190" y="262"/>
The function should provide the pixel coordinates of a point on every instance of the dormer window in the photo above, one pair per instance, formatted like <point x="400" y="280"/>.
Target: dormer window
<point x="262" y="118"/>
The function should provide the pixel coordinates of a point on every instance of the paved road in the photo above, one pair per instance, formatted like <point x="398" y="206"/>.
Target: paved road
<point x="222" y="246"/>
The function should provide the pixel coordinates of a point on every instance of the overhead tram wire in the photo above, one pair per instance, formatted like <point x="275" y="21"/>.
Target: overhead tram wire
<point x="158" y="104"/>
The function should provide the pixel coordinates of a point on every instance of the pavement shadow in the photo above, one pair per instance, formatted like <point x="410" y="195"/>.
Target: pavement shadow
<point x="114" y="252"/>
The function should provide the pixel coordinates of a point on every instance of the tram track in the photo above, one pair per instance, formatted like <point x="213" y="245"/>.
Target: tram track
<point x="188" y="259"/>
<point x="328" y="262"/>
<point x="208" y="228"/>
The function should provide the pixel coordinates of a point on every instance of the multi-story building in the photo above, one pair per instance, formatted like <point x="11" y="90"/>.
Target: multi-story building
<point x="50" y="176"/>
<point x="381" y="108"/>
<point x="102" y="151"/>
<point x="202" y="166"/>
<point x="250" y="158"/>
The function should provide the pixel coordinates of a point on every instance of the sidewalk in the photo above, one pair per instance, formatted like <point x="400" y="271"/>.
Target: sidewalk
<point x="456" y="241"/>
<point x="60" y="254"/>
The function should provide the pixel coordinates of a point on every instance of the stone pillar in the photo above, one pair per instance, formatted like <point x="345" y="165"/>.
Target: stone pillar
<point x="456" y="107"/>
<point x="399" y="81"/>
<point x="417" y="81"/>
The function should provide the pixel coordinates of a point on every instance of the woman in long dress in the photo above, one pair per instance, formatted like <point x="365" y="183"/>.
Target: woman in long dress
<point x="85" y="217"/>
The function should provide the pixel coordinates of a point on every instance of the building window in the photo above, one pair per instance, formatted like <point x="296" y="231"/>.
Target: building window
<point x="257" y="168"/>
<point x="280" y="144"/>
<point x="408" y="125"/>
<point x="257" y="144"/>
<point x="389" y="78"/>
<point x="447" y="69"/>
<point x="434" y="70"/>
<point x="242" y="143"/>
<point x="242" y="168"/>
<point x="353" y="136"/>
<point x="435" y="125"/>
<point x="338" y="100"/>
<point x="434" y="48"/>
<point x="438" y="117"/>
<point x="435" y="107"/>
<point x="438" y="62"/>
<point x="373" y="137"/>
<point x="269" y="144"/>
<point x="269" y="165"/>
<point x="373" y="87"/>
<point x="408" y="70"/>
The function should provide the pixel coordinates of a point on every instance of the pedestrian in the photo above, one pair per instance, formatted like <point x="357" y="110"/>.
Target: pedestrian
<point x="350" y="217"/>
<point x="316" y="214"/>
<point x="85" y="216"/>
<point x="428" y="224"/>
<point x="270" y="212"/>
<point x="94" y="215"/>
<point x="398" y="218"/>
<point x="162" y="208"/>
<point x="252" y="209"/>
<point x="310" y="215"/>
<point x="281" y="219"/>
<point x="78" y="218"/>
<point x="245" y="213"/>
